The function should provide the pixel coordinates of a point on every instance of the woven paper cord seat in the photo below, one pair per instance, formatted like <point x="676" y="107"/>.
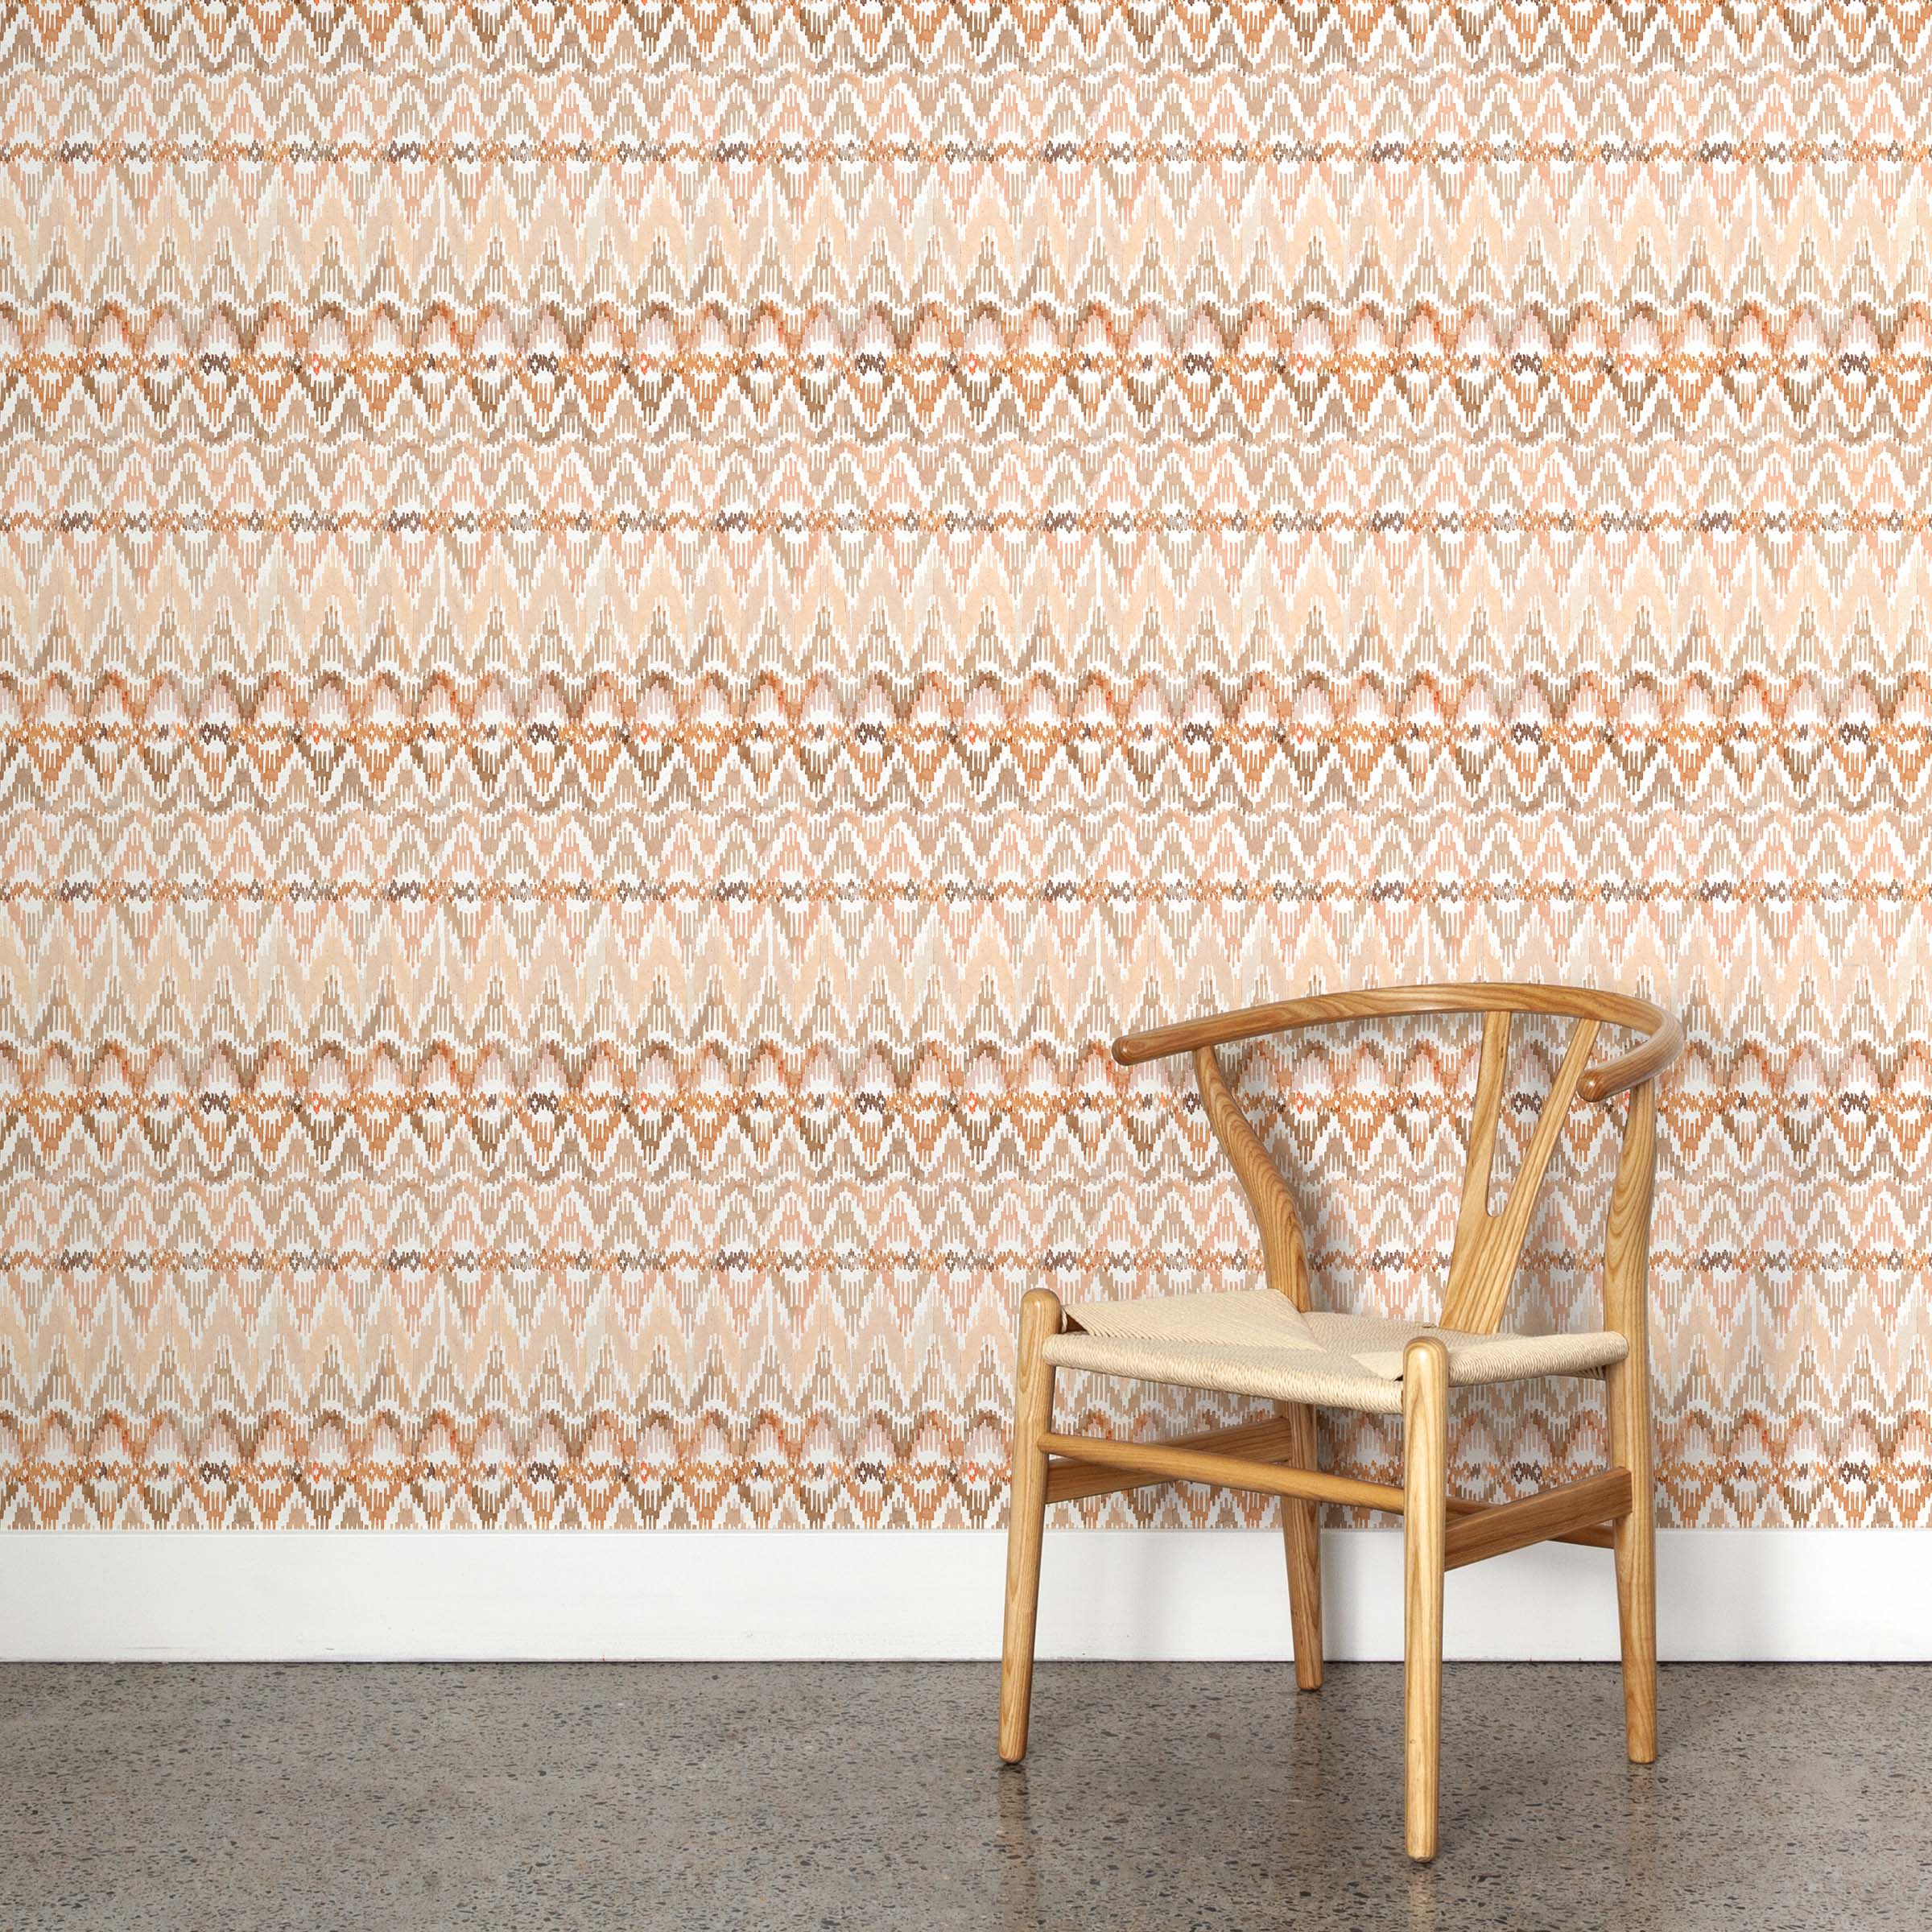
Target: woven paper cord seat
<point x="1258" y="1342"/>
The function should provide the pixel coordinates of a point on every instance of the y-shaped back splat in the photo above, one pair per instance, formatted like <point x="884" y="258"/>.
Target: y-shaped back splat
<point x="1283" y="1254"/>
<point x="1489" y="1246"/>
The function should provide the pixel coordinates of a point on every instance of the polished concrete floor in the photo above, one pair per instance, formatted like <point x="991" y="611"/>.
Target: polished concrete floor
<point x="845" y="1798"/>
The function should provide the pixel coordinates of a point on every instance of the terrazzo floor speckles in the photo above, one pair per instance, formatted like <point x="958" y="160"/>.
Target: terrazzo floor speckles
<point x="845" y="1798"/>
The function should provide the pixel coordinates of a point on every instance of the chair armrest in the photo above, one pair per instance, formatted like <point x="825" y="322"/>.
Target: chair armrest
<point x="1663" y="1041"/>
<point x="1643" y="1061"/>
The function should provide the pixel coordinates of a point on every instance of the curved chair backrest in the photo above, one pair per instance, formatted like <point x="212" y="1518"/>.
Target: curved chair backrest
<point x="1489" y="1246"/>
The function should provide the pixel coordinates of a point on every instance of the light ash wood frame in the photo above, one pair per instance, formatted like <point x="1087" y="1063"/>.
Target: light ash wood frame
<point x="1277" y="1456"/>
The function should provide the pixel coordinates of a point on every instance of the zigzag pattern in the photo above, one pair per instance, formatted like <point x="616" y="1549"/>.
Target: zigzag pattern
<point x="211" y="371"/>
<point x="628" y="633"/>
<point x="1209" y="537"/>
<point x="937" y="736"/>
<point x="606" y="33"/>
<point x="1090" y="168"/>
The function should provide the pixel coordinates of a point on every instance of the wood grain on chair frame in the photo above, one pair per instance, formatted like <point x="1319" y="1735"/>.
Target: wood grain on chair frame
<point x="1277" y="1455"/>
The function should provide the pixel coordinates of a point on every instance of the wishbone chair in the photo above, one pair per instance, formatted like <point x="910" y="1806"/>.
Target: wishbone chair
<point x="1269" y="1344"/>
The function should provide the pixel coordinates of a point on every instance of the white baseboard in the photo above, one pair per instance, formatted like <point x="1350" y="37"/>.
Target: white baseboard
<point x="1753" y="1593"/>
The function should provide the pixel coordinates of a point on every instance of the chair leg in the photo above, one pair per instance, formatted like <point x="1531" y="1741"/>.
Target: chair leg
<point x="1302" y="1540"/>
<point x="1627" y="1391"/>
<point x="1026" y="1518"/>
<point x="1424" y="1531"/>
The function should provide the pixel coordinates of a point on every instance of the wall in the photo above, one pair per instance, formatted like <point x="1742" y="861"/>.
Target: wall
<point x="629" y="633"/>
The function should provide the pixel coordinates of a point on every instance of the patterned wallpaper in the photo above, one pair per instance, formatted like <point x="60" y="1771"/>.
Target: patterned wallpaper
<point x="628" y="631"/>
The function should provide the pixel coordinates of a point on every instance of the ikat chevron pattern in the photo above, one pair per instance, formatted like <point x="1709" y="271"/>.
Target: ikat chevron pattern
<point x="630" y="630"/>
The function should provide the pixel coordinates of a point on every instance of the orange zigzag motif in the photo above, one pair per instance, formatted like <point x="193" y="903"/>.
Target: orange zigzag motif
<point x="629" y="632"/>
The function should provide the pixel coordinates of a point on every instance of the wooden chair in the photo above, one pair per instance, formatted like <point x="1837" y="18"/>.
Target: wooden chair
<point x="1269" y="1343"/>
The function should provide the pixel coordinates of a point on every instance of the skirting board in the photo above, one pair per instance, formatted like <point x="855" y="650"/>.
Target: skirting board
<point x="709" y="1594"/>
